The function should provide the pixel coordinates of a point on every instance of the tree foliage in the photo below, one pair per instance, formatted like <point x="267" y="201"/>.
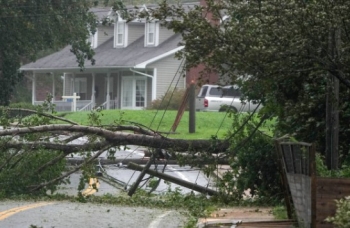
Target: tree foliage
<point x="282" y="53"/>
<point x="30" y="27"/>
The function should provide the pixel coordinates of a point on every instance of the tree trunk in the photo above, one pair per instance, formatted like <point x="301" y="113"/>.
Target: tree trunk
<point x="174" y="180"/>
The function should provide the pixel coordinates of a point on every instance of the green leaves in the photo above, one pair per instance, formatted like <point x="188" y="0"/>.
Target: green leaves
<point x="28" y="27"/>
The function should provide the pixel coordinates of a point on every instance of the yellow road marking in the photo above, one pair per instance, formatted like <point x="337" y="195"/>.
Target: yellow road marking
<point x="12" y="211"/>
<point x="91" y="189"/>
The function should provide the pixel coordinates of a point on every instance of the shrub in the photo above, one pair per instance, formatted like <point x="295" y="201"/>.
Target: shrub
<point x="24" y="105"/>
<point x="341" y="218"/>
<point x="252" y="158"/>
<point x="171" y="100"/>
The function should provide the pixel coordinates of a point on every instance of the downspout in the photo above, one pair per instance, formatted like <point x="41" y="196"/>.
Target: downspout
<point x="93" y="91"/>
<point x="53" y="87"/>
<point x="33" y="89"/>
<point x="108" y="98"/>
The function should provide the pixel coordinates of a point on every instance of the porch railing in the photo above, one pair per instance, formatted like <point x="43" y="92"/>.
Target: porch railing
<point x="112" y="105"/>
<point x="65" y="106"/>
<point x="82" y="105"/>
<point x="87" y="107"/>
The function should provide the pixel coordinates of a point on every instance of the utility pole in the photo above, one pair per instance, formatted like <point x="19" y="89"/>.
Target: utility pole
<point x="332" y="104"/>
<point x="192" y="108"/>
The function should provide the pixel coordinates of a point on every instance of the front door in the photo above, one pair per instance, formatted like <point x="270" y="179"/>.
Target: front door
<point x="133" y="92"/>
<point x="80" y="87"/>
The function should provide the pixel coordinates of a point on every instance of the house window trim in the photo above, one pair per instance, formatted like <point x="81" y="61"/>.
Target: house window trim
<point x="155" y="34"/>
<point x="93" y="39"/>
<point x="124" y="35"/>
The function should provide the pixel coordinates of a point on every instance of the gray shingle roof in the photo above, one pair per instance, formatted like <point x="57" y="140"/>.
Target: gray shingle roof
<point x="101" y="12"/>
<point x="106" y="56"/>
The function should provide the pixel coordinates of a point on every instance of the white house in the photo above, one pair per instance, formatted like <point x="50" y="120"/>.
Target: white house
<point x="135" y="64"/>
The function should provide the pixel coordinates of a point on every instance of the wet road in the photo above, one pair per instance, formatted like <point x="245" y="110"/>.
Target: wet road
<point x="67" y="214"/>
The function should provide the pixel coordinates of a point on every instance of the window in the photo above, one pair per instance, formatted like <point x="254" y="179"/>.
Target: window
<point x="151" y="34"/>
<point x="80" y="87"/>
<point x="215" y="92"/>
<point x="93" y="40"/>
<point x="120" y="34"/>
<point x="133" y="94"/>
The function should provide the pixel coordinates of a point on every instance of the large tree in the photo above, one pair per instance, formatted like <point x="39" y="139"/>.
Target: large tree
<point x="284" y="53"/>
<point x="30" y="27"/>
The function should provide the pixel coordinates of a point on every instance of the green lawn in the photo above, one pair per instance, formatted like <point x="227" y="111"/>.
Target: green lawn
<point x="207" y="123"/>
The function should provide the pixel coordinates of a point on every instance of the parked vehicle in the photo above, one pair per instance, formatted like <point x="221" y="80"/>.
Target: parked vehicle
<point x="217" y="98"/>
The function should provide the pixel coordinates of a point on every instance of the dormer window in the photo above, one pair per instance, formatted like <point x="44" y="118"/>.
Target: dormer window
<point x="151" y="38"/>
<point x="93" y="40"/>
<point x="120" y="34"/>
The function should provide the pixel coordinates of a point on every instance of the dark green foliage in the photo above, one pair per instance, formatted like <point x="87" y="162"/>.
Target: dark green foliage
<point x="28" y="28"/>
<point x="253" y="162"/>
<point x="21" y="167"/>
<point x="23" y="105"/>
<point x="282" y="53"/>
<point x="22" y="92"/>
<point x="170" y="101"/>
<point x="18" y="170"/>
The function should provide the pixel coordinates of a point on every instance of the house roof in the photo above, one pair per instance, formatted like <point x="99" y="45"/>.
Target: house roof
<point x="101" y="12"/>
<point x="134" y="55"/>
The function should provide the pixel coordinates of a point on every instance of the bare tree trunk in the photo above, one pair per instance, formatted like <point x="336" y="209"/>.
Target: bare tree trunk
<point x="332" y="104"/>
<point x="174" y="180"/>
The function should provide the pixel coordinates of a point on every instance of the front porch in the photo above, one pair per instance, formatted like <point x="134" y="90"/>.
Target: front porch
<point x="118" y="89"/>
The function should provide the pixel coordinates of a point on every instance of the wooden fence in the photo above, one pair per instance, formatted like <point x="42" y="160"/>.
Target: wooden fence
<point x="313" y="197"/>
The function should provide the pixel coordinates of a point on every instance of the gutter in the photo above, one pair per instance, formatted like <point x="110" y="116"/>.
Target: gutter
<point x="72" y="68"/>
<point x="141" y="73"/>
<point x="144" y="64"/>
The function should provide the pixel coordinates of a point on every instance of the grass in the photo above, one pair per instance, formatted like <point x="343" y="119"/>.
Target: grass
<point x="280" y="212"/>
<point x="207" y="123"/>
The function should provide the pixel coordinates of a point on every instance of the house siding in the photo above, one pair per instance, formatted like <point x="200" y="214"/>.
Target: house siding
<point x="166" y="69"/>
<point x="135" y="31"/>
<point x="164" y="34"/>
<point x="104" y="33"/>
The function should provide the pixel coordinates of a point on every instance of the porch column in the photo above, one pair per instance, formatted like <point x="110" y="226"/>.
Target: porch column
<point x="93" y="95"/>
<point x="64" y="84"/>
<point x="53" y="87"/>
<point x="33" y="89"/>
<point x="73" y="84"/>
<point x="154" y="84"/>
<point x="108" y="98"/>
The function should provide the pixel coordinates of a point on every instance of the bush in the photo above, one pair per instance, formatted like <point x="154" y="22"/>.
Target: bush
<point x="19" y="170"/>
<point x="252" y="158"/>
<point x="170" y="101"/>
<point x="24" y="105"/>
<point x="341" y="218"/>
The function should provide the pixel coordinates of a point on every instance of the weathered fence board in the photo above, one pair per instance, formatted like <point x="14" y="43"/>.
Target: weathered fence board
<point x="313" y="197"/>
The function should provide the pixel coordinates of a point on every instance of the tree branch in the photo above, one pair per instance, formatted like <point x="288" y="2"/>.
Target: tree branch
<point x="37" y="187"/>
<point x="119" y="138"/>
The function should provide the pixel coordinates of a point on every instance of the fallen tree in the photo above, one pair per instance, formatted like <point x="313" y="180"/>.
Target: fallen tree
<point x="21" y="143"/>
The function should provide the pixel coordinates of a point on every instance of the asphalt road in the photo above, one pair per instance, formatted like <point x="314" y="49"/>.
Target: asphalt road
<point x="67" y="214"/>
